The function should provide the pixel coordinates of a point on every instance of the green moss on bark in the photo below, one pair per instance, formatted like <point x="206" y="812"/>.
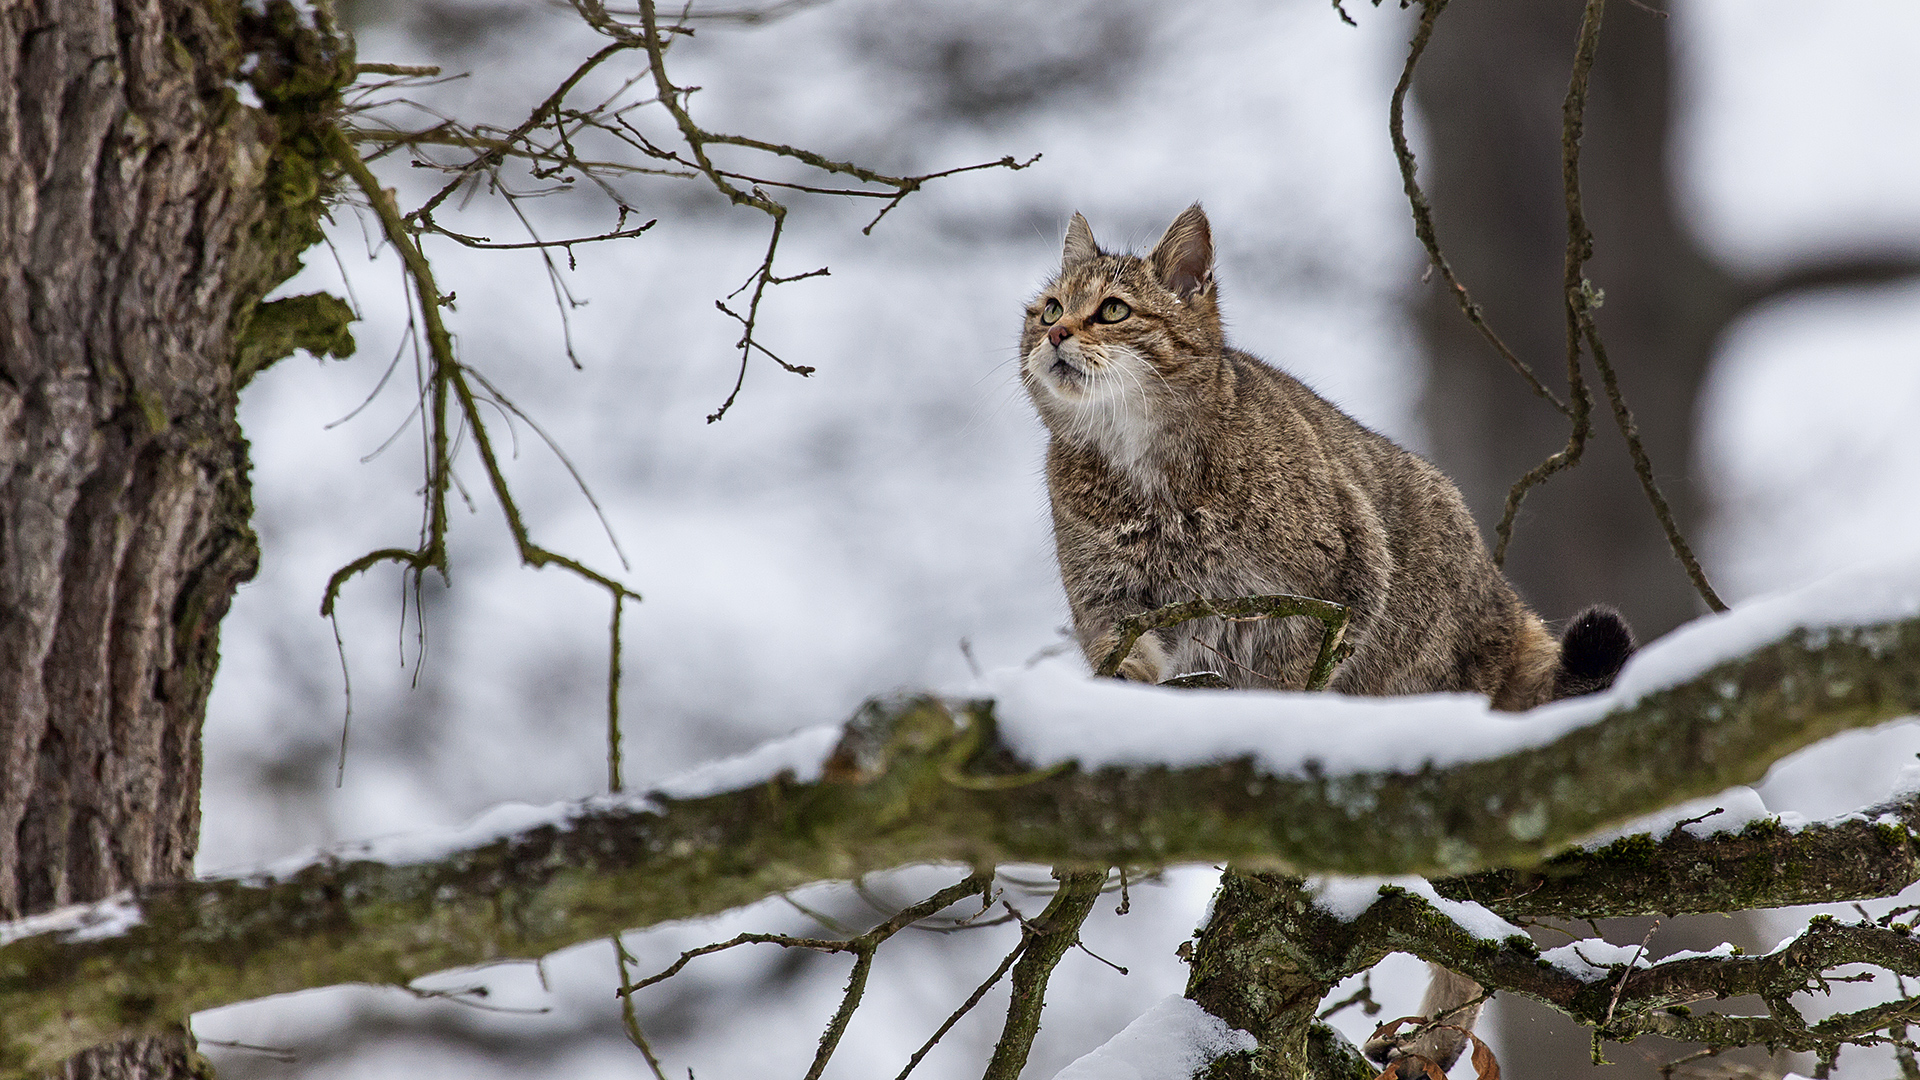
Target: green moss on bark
<point x="301" y="63"/>
<point x="315" y="322"/>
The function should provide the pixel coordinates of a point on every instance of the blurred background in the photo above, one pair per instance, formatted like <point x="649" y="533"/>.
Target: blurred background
<point x="1749" y="173"/>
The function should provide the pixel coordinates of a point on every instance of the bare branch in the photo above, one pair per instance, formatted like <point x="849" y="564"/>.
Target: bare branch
<point x="1046" y="939"/>
<point x="445" y="379"/>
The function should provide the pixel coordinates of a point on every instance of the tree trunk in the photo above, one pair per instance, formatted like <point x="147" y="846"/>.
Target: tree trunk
<point x="144" y="211"/>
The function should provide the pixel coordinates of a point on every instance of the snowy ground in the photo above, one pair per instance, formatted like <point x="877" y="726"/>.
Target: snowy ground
<point x="840" y="536"/>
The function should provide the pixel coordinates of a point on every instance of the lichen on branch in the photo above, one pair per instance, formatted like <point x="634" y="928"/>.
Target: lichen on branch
<point x="885" y="799"/>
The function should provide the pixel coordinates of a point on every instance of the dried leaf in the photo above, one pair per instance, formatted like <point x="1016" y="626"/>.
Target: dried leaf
<point x="1485" y="1066"/>
<point x="1392" y="1027"/>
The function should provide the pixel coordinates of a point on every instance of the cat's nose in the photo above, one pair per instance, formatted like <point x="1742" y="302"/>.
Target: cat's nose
<point x="1056" y="335"/>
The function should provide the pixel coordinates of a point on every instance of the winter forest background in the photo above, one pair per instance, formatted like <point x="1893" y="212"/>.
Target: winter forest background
<point x="840" y="536"/>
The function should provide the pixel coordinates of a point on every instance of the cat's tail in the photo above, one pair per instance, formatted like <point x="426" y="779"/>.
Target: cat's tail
<point x="1593" y="649"/>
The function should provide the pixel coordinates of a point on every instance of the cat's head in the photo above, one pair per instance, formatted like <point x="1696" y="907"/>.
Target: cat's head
<point x="1115" y="337"/>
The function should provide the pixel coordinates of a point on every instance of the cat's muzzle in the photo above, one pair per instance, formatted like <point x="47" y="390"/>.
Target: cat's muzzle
<point x="1066" y="372"/>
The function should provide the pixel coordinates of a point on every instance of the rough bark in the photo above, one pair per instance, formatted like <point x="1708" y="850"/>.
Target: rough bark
<point x="144" y="211"/>
<point x="1263" y="963"/>
<point x="894" y="793"/>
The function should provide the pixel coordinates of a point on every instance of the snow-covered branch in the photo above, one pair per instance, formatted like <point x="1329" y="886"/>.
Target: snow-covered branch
<point x="1328" y="930"/>
<point x="1049" y="768"/>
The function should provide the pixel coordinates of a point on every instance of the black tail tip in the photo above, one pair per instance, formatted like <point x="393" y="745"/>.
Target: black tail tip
<point x="1593" y="649"/>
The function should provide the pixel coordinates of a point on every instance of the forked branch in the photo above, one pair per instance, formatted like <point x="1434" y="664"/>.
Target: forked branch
<point x="1580" y="298"/>
<point x="448" y="378"/>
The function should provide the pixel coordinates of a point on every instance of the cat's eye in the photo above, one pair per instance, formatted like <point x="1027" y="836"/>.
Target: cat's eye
<point x="1051" y="313"/>
<point x="1113" y="311"/>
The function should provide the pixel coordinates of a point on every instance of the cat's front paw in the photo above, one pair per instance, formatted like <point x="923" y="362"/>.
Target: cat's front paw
<point x="1146" y="662"/>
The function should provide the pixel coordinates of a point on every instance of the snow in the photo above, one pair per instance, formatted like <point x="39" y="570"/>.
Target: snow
<point x="1052" y="712"/>
<point x="1347" y="898"/>
<point x="1885" y="590"/>
<point x="801" y="754"/>
<point x="1728" y="812"/>
<point x="1723" y="949"/>
<point x="1591" y="959"/>
<point x="1906" y="783"/>
<point x="497" y="823"/>
<point x="1171" y="1041"/>
<point x="424" y="846"/>
<point x="107" y="918"/>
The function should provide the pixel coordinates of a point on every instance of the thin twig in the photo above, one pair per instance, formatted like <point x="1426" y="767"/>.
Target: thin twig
<point x="629" y="1018"/>
<point x="965" y="1007"/>
<point x="1577" y="296"/>
<point x="863" y="946"/>
<point x="1644" y="470"/>
<point x="406" y="70"/>
<point x="1622" y="984"/>
<point x="445" y="379"/>
<point x="1423" y="212"/>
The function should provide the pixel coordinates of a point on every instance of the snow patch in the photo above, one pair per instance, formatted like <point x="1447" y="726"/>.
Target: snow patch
<point x="1882" y="591"/>
<point x="803" y="754"/>
<point x="1728" y="812"/>
<point x="1906" y="784"/>
<point x="494" y="823"/>
<point x="1592" y="959"/>
<point x="1053" y="712"/>
<point x="102" y="919"/>
<point x="1171" y="1041"/>
<point x="1347" y="898"/>
<point x="1724" y="949"/>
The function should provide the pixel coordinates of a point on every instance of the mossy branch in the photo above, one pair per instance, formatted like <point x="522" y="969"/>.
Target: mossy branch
<point x="1045" y="939"/>
<point x="1764" y="865"/>
<point x="883" y="801"/>
<point x="1271" y="951"/>
<point x="315" y="322"/>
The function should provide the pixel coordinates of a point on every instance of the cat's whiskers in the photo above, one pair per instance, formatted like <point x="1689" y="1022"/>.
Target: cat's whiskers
<point x="992" y="400"/>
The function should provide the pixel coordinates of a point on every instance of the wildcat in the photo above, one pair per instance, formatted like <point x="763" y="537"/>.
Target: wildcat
<point x="1180" y="468"/>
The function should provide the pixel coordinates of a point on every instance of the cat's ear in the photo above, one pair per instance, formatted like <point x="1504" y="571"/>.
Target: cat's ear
<point x="1183" y="259"/>
<point x="1080" y="246"/>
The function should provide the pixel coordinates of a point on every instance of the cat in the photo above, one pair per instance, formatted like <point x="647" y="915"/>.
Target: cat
<point x="1180" y="468"/>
